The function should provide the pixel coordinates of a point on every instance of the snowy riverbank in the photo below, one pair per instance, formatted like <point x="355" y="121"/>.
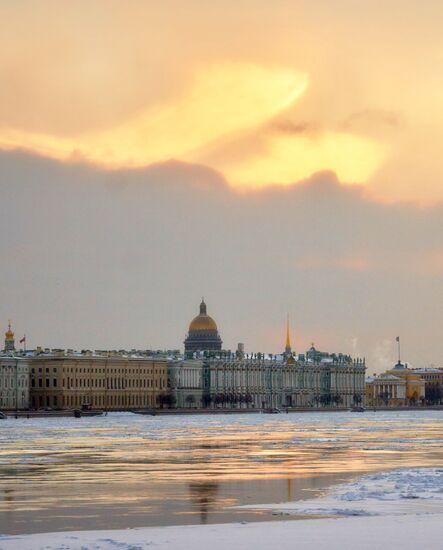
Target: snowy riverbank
<point x="393" y="532"/>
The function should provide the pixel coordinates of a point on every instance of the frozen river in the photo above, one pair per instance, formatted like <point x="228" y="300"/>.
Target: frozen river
<point x="126" y="470"/>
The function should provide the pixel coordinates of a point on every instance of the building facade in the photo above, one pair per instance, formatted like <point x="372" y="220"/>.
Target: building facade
<point x="433" y="379"/>
<point x="186" y="382"/>
<point x="415" y="385"/>
<point x="385" y="390"/>
<point x="399" y="386"/>
<point x="14" y="382"/>
<point x="102" y="380"/>
<point x="226" y="381"/>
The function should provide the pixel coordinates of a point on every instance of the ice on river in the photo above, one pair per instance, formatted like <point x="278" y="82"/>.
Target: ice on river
<point x="369" y="495"/>
<point x="397" y="492"/>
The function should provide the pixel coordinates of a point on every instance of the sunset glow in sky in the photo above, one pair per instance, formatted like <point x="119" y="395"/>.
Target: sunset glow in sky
<point x="274" y="157"/>
<point x="265" y="94"/>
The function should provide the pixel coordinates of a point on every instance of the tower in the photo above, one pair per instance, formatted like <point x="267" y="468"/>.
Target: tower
<point x="9" y="339"/>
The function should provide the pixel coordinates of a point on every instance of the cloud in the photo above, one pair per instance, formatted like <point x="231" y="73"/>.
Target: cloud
<point x="120" y="258"/>
<point x="227" y="119"/>
<point x="285" y="159"/>
<point x="373" y="118"/>
<point x="224" y="99"/>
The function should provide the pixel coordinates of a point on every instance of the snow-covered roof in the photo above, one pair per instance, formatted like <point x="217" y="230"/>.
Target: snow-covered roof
<point x="428" y="369"/>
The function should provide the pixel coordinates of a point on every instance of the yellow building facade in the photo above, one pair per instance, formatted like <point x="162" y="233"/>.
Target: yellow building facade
<point x="415" y="385"/>
<point x="399" y="386"/>
<point x="385" y="390"/>
<point x="109" y="381"/>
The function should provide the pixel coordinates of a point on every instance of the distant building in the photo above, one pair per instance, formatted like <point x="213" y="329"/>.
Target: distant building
<point x="203" y="334"/>
<point x="415" y="385"/>
<point x="221" y="379"/>
<point x="14" y="382"/>
<point x="385" y="390"/>
<point x="105" y="380"/>
<point x="186" y="383"/>
<point x="225" y="381"/>
<point x="433" y="379"/>
<point x="399" y="386"/>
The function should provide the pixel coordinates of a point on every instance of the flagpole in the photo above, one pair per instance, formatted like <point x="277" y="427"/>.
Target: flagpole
<point x="398" y="341"/>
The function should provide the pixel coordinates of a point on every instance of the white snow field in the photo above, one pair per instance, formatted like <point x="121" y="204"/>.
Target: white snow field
<point x="369" y="533"/>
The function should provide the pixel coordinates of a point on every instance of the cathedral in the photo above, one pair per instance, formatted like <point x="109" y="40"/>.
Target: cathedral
<point x="203" y="333"/>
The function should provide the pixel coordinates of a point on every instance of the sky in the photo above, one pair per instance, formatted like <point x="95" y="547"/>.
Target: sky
<point x="275" y="157"/>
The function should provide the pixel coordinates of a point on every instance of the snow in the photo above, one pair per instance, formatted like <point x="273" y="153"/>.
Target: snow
<point x="395" y="533"/>
<point x="398" y="492"/>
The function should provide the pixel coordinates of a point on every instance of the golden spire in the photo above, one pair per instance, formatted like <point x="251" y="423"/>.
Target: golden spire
<point x="288" y="336"/>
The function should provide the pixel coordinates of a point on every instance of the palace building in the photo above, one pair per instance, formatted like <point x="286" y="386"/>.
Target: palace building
<point x="210" y="377"/>
<point x="202" y="334"/>
<point x="104" y="380"/>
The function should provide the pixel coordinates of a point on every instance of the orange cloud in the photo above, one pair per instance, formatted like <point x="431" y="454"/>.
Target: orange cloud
<point x="225" y="101"/>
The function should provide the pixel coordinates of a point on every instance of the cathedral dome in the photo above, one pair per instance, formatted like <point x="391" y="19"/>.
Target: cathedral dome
<point x="203" y="321"/>
<point x="203" y="333"/>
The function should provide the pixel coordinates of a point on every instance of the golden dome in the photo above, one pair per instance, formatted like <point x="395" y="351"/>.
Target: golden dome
<point x="9" y="335"/>
<point x="203" y="322"/>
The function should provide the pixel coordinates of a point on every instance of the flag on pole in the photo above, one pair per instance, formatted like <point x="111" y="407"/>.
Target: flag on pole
<point x="23" y="340"/>
<point x="397" y="339"/>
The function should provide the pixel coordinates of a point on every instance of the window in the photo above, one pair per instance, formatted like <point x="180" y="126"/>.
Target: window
<point x="54" y="382"/>
<point x="47" y="382"/>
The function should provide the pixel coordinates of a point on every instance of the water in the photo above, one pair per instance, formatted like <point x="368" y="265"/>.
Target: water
<point x="126" y="470"/>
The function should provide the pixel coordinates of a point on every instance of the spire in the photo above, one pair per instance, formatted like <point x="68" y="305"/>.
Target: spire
<point x="203" y="307"/>
<point x="288" y="336"/>
<point x="288" y="347"/>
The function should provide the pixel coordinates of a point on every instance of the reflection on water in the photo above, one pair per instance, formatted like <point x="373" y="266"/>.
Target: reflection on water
<point x="204" y="495"/>
<point x="127" y="470"/>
